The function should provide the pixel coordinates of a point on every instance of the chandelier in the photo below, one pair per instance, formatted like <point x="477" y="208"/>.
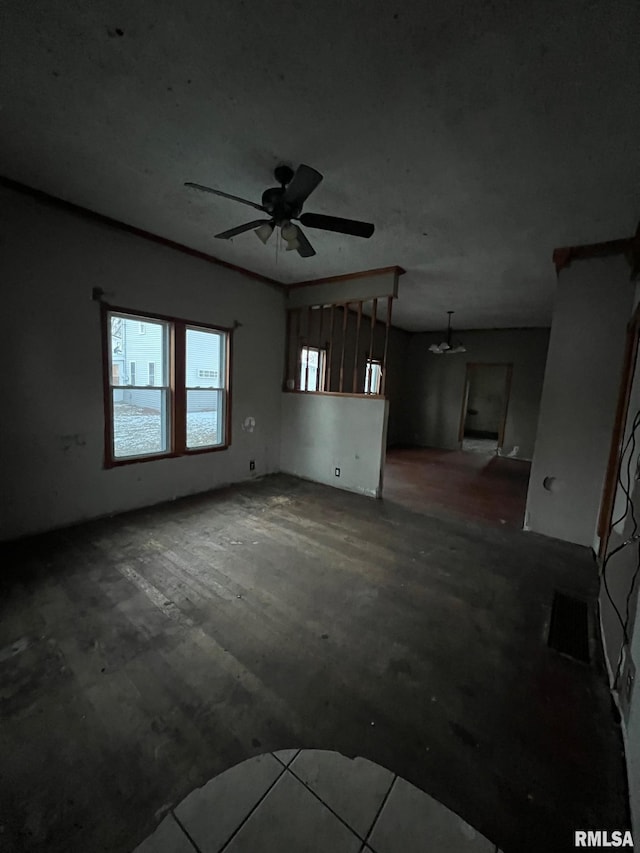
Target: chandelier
<point x="448" y="347"/>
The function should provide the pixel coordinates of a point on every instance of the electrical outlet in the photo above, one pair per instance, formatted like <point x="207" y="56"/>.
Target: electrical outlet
<point x="252" y="464"/>
<point x="337" y="472"/>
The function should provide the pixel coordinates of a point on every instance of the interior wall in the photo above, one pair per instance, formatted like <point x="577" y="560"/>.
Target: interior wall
<point x="398" y="378"/>
<point x="633" y="728"/>
<point x="485" y="404"/>
<point x="432" y="399"/>
<point x="620" y="572"/>
<point x="52" y="429"/>
<point x="622" y="566"/>
<point x="622" y="586"/>
<point x="593" y="305"/>
<point x="322" y="432"/>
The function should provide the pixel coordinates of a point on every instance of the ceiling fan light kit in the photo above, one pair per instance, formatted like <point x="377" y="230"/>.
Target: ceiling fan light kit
<point x="283" y="204"/>
<point x="447" y="347"/>
<point x="288" y="231"/>
<point x="264" y="231"/>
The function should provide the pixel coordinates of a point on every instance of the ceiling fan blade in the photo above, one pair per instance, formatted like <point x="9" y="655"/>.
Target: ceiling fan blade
<point x="335" y="223"/>
<point x="224" y="195"/>
<point x="305" y="249"/>
<point x="249" y="226"/>
<point x="303" y="183"/>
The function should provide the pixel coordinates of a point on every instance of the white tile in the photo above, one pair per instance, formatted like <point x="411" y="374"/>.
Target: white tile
<point x="286" y="755"/>
<point x="211" y="814"/>
<point x="412" y="821"/>
<point x="291" y="820"/>
<point x="168" y="838"/>
<point x="353" y="788"/>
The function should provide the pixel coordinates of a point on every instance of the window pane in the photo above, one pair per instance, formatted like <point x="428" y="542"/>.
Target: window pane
<point x="373" y="377"/>
<point x="139" y="421"/>
<point x="205" y="366"/>
<point x="313" y="379"/>
<point x="312" y="361"/>
<point x="312" y="358"/>
<point x="205" y="418"/>
<point x="135" y="344"/>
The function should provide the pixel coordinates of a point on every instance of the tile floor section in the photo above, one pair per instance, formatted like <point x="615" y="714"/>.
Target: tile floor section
<point x="307" y="801"/>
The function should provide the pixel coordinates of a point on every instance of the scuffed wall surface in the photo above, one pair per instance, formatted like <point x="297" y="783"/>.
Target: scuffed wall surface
<point x="485" y="406"/>
<point x="323" y="432"/>
<point x="593" y="306"/>
<point x="51" y="385"/>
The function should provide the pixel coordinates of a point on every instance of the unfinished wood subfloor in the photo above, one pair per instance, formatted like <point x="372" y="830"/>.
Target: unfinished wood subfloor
<point x="144" y="654"/>
<point x="475" y="486"/>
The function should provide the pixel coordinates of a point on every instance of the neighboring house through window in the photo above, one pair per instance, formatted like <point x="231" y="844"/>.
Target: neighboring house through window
<point x="184" y="406"/>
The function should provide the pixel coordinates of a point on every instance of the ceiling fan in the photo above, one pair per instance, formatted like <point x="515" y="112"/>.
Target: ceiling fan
<point x="283" y="204"/>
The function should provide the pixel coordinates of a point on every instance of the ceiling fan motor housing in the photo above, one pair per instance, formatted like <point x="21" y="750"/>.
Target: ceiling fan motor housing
<point x="283" y="174"/>
<point x="275" y="205"/>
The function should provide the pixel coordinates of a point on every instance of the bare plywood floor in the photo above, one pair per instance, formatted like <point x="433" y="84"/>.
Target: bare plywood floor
<point x="474" y="486"/>
<point x="144" y="654"/>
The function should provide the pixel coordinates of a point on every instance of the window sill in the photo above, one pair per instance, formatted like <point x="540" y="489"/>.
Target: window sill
<point x="197" y="451"/>
<point x="336" y="394"/>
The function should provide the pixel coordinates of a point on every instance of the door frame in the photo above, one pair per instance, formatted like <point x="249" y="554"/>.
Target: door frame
<point x="507" y="395"/>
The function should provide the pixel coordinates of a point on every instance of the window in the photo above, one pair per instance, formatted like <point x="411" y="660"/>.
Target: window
<point x="312" y="369"/>
<point x="175" y="412"/>
<point x="205" y="404"/>
<point x="373" y="377"/>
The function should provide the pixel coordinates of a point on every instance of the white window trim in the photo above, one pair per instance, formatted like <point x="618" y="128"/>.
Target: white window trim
<point x="321" y="374"/>
<point x="369" y="375"/>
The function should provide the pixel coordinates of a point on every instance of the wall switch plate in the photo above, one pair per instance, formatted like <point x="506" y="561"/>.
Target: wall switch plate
<point x="337" y="472"/>
<point x="252" y="464"/>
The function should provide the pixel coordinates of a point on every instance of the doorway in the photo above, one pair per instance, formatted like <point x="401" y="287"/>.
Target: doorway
<point x="484" y="407"/>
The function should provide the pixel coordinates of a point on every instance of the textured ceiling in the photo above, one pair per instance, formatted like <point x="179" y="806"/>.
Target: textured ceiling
<point x="477" y="136"/>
